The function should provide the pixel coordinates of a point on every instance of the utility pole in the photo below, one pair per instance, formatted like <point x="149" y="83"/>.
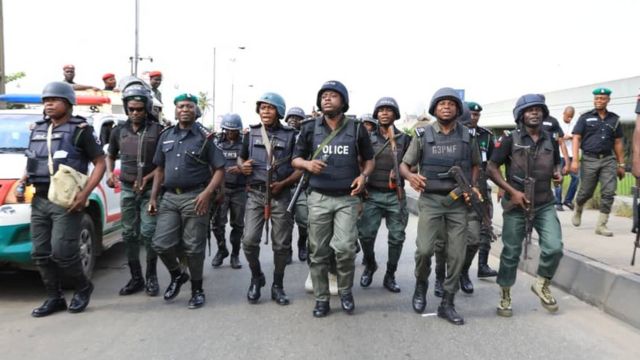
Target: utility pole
<point x="2" y="71"/>
<point x="136" y="53"/>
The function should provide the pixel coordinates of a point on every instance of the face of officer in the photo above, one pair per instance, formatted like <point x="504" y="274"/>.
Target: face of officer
<point x="532" y="116"/>
<point x="331" y="103"/>
<point x="56" y="108"/>
<point x="294" y="121"/>
<point x="386" y="116"/>
<point x="232" y="135"/>
<point x="369" y="126"/>
<point x="110" y="82"/>
<point x="446" y="110"/>
<point x="475" y="118"/>
<point x="69" y="73"/>
<point x="186" y="112"/>
<point x="155" y="81"/>
<point x="137" y="111"/>
<point x="568" y="113"/>
<point x="268" y="114"/>
<point x="600" y="102"/>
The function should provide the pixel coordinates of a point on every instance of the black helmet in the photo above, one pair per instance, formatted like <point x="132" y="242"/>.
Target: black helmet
<point x="231" y="122"/>
<point x="137" y="92"/>
<point x="386" y="101"/>
<point x="338" y="87"/>
<point x="442" y="94"/>
<point x="59" y="89"/>
<point x="527" y="101"/>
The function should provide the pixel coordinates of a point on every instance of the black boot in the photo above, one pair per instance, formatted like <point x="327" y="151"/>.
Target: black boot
<point x="49" y="307"/>
<point x="151" y="286"/>
<point x="302" y="244"/>
<point x="55" y="299"/>
<point x="367" y="275"/>
<point x="220" y="256"/>
<point x="278" y="295"/>
<point x="136" y="283"/>
<point x="321" y="309"/>
<point x="465" y="282"/>
<point x="289" y="259"/>
<point x="484" y="271"/>
<point x="447" y="310"/>
<point x="235" y="262"/>
<point x="253" y="295"/>
<point x="441" y="271"/>
<point x="83" y="286"/>
<point x="81" y="298"/>
<point x="347" y="303"/>
<point x="177" y="279"/>
<point x="197" y="295"/>
<point x="389" y="281"/>
<point x="420" y="296"/>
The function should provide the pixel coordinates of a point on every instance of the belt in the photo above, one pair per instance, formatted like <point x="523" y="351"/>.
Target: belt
<point x="380" y="189"/>
<point x="260" y="187"/>
<point x="234" y="186"/>
<point x="597" y="155"/>
<point x="183" y="190"/>
<point x="334" y="193"/>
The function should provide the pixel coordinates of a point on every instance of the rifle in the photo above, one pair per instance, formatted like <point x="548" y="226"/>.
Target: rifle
<point x="301" y="183"/>
<point x="394" y="183"/>
<point x="636" y="221"/>
<point x="267" y="200"/>
<point x="464" y="187"/>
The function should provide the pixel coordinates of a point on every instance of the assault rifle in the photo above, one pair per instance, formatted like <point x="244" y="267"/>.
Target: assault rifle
<point x="394" y="183"/>
<point x="267" y="196"/>
<point x="464" y="187"/>
<point x="301" y="183"/>
<point x="636" y="220"/>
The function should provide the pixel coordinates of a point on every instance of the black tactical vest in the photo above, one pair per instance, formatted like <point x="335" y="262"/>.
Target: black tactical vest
<point x="379" y="178"/>
<point x="230" y="152"/>
<point x="63" y="150"/>
<point x="131" y="147"/>
<point x="541" y="162"/>
<point x="281" y="139"/>
<point x="440" y="152"/>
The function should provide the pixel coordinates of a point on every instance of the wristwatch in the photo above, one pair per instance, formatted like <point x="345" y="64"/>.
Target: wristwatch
<point x="366" y="177"/>
<point x="622" y="165"/>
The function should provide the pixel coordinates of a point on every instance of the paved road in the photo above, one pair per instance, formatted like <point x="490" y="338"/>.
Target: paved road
<point x="383" y="327"/>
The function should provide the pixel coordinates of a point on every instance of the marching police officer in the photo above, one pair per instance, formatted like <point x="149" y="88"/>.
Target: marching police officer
<point x="135" y="142"/>
<point x="60" y="139"/>
<point x="234" y="196"/>
<point x="599" y="134"/>
<point x="385" y="195"/>
<point x="266" y="159"/>
<point x="528" y="152"/>
<point x="189" y="168"/>
<point x="330" y="148"/>
<point x="294" y="118"/>
<point x="437" y="148"/>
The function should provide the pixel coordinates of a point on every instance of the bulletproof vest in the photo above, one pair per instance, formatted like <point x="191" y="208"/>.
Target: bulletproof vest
<point x="341" y="157"/>
<point x="134" y="153"/>
<point x="541" y="165"/>
<point x="281" y="139"/>
<point x="63" y="150"/>
<point x="440" y="152"/>
<point x="384" y="161"/>
<point x="230" y="152"/>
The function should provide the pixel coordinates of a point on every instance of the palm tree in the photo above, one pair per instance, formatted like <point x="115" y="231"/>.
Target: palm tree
<point x="205" y="104"/>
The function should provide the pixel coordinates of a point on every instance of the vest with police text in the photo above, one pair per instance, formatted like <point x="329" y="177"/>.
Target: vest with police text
<point x="440" y="152"/>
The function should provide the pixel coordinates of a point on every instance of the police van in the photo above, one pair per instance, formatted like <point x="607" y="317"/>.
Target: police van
<point x="101" y="219"/>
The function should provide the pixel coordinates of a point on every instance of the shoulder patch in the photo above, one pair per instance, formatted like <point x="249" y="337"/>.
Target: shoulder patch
<point x="419" y="131"/>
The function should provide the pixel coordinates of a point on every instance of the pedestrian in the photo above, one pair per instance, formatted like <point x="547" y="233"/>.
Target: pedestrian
<point x="234" y="193"/>
<point x="155" y="80"/>
<point x="135" y="142"/>
<point x="436" y="148"/>
<point x="528" y="152"/>
<point x="109" y="80"/>
<point x="60" y="138"/>
<point x="294" y="119"/>
<point x="636" y="143"/>
<point x="266" y="161"/>
<point x="385" y="197"/>
<point x="69" y="73"/>
<point x="567" y="126"/>
<point x="599" y="134"/>
<point x="189" y="169"/>
<point x="333" y="149"/>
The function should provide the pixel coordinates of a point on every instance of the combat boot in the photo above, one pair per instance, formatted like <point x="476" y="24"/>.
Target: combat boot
<point x="177" y="279"/>
<point x="49" y="307"/>
<point x="441" y="271"/>
<point x="576" y="220"/>
<point x="347" y="302"/>
<point x="278" y="295"/>
<point x="419" y="300"/>
<point x="136" y="283"/>
<point x="55" y="299"/>
<point x="253" y="294"/>
<point x="484" y="270"/>
<point x="504" y="306"/>
<point x="220" y="256"/>
<point x="447" y="309"/>
<point x="541" y="289"/>
<point x="389" y="281"/>
<point x="465" y="282"/>
<point x="152" y="288"/>
<point x="235" y="262"/>
<point x="197" y="295"/>
<point x="302" y="244"/>
<point x="321" y="309"/>
<point x="367" y="274"/>
<point x="601" y="226"/>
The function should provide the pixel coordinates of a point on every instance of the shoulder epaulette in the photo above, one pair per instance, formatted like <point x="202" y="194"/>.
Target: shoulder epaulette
<point x="255" y="126"/>
<point x="419" y="131"/>
<point x="167" y="128"/>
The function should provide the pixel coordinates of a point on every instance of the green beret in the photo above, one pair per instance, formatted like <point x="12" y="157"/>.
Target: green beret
<point x="185" y="97"/>
<point x="601" y="91"/>
<point x="474" y="106"/>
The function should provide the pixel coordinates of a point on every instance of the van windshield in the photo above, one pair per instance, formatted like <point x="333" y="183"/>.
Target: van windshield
<point x="15" y="131"/>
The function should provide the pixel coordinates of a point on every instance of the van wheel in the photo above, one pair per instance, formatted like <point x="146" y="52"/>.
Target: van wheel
<point x="88" y="244"/>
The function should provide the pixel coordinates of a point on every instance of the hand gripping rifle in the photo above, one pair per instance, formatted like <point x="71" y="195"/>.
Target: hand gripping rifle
<point x="301" y="183"/>
<point x="464" y="187"/>
<point x="636" y="220"/>
<point x="394" y="182"/>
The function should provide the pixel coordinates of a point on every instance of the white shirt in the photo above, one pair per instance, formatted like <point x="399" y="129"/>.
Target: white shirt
<point x="567" y="129"/>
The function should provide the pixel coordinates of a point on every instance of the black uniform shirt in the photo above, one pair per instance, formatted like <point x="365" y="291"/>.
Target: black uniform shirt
<point x="304" y="145"/>
<point x="598" y="135"/>
<point x="502" y="150"/>
<point x="552" y="126"/>
<point x="177" y="153"/>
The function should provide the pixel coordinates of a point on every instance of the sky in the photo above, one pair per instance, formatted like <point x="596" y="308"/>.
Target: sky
<point x="495" y="50"/>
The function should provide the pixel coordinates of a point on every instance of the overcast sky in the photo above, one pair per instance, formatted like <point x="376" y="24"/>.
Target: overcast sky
<point x="493" y="49"/>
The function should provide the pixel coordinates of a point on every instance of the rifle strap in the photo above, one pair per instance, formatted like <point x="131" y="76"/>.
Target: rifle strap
<point x="265" y="139"/>
<point x="330" y="137"/>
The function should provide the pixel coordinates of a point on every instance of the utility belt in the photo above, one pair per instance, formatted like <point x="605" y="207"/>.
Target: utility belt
<point x="597" y="155"/>
<point x="262" y="187"/>
<point x="332" y="193"/>
<point x="380" y="189"/>
<point x="184" y="190"/>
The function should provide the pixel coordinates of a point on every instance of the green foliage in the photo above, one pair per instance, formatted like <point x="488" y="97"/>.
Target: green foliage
<point x="15" y="76"/>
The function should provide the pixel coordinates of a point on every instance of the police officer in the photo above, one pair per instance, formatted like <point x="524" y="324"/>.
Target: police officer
<point x="528" y="152"/>
<point x="268" y="139"/>
<point x="135" y="143"/>
<point x="369" y="122"/>
<point x="385" y="196"/>
<point x="55" y="230"/>
<point x="599" y="134"/>
<point x="636" y="143"/>
<point x="189" y="168"/>
<point x="436" y="148"/>
<point x="234" y="196"/>
<point x="332" y="148"/>
<point x="155" y="79"/>
<point x="294" y="119"/>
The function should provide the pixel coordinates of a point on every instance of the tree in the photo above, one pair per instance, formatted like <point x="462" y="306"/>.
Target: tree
<point x="15" y="76"/>
<point x="204" y="103"/>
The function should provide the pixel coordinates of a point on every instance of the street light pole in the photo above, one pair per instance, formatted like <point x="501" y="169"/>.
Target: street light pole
<point x="213" y="94"/>
<point x="2" y="74"/>
<point x="136" y="53"/>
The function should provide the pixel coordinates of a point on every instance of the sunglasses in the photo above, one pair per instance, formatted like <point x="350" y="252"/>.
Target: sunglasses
<point x="136" y="109"/>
